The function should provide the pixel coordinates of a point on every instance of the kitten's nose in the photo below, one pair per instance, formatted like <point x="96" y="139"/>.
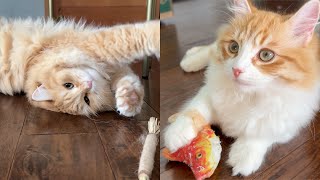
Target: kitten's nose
<point x="236" y="72"/>
<point x="89" y="84"/>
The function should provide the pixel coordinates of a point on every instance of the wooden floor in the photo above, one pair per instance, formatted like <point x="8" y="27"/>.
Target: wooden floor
<point x="194" y="23"/>
<point x="39" y="144"/>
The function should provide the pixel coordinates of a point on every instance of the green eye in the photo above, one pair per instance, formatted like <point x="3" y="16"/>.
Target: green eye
<point x="266" y="55"/>
<point x="234" y="47"/>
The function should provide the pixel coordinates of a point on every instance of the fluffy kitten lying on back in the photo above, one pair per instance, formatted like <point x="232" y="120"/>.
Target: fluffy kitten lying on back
<point x="70" y="68"/>
<point x="262" y="82"/>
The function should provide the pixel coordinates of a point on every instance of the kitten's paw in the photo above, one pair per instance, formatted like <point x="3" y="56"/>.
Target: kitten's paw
<point x="193" y="50"/>
<point x="192" y="61"/>
<point x="129" y="96"/>
<point x="245" y="158"/>
<point x="179" y="133"/>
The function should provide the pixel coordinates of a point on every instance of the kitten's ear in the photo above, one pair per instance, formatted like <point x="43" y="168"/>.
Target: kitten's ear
<point x="304" y="21"/>
<point x="240" y="7"/>
<point x="41" y="94"/>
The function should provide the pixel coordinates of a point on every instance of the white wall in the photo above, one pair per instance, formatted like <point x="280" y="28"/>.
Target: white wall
<point x="22" y="8"/>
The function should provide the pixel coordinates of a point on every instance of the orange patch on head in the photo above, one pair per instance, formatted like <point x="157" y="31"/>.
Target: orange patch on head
<point x="294" y="64"/>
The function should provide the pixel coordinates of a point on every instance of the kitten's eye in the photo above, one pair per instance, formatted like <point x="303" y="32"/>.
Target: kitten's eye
<point x="234" y="47"/>
<point x="86" y="99"/>
<point x="68" y="85"/>
<point x="266" y="55"/>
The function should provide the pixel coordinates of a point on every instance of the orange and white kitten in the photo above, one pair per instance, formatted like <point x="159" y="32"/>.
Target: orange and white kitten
<point x="72" y="68"/>
<point x="262" y="82"/>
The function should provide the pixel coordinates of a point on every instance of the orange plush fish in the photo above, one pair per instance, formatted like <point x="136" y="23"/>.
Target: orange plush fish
<point x="202" y="155"/>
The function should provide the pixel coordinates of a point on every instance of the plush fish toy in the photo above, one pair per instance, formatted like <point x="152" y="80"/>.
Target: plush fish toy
<point x="202" y="155"/>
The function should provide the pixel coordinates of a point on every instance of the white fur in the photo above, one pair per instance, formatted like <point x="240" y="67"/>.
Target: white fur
<point x="304" y="21"/>
<point x="129" y="95"/>
<point x="179" y="133"/>
<point x="240" y="7"/>
<point x="196" y="58"/>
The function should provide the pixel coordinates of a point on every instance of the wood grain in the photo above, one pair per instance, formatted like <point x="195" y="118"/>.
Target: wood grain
<point x="12" y="114"/>
<point x="40" y="121"/>
<point x="63" y="156"/>
<point x="39" y="144"/>
<point x="100" y="12"/>
<point x="152" y="86"/>
<point x="95" y="3"/>
<point x="123" y="142"/>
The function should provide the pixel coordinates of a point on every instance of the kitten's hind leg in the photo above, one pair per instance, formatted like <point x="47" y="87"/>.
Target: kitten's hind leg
<point x="197" y="58"/>
<point x="129" y="94"/>
<point x="124" y="44"/>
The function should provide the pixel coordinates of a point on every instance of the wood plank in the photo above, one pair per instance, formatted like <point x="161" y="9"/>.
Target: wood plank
<point x="144" y="115"/>
<point x="40" y="121"/>
<point x="146" y="112"/>
<point x="46" y="8"/>
<point x="152" y="86"/>
<point x="104" y="15"/>
<point x="13" y="111"/>
<point x="176" y="87"/>
<point x="67" y="156"/>
<point x="95" y="3"/>
<point x="123" y="141"/>
<point x="302" y="163"/>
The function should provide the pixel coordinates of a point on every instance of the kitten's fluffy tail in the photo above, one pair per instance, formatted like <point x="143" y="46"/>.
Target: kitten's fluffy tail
<point x="197" y="58"/>
<point x="126" y="43"/>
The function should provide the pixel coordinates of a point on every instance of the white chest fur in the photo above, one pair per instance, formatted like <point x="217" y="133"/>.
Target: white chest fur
<point x="276" y="113"/>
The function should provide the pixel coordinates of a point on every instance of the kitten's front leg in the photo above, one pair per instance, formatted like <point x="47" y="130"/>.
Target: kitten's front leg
<point x="129" y="94"/>
<point x="198" y="57"/>
<point x="247" y="154"/>
<point x="181" y="132"/>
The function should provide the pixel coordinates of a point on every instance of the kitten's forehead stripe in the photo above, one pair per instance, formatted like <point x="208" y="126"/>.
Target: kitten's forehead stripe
<point x="292" y="63"/>
<point x="253" y="26"/>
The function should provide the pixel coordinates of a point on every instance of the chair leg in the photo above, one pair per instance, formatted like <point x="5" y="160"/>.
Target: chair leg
<point x="146" y="68"/>
<point x="150" y="15"/>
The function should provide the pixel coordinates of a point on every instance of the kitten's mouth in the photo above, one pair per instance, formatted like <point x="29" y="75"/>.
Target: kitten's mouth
<point x="242" y="83"/>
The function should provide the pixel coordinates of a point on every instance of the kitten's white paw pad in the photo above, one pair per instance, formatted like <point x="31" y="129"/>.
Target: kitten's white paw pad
<point x="179" y="133"/>
<point x="129" y="99"/>
<point x="244" y="160"/>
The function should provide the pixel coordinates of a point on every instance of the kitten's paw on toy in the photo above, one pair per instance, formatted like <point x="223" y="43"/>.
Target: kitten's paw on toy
<point x="129" y="97"/>
<point x="179" y="133"/>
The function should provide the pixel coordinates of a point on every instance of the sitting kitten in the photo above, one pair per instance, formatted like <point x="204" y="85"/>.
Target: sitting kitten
<point x="67" y="67"/>
<point x="262" y="82"/>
